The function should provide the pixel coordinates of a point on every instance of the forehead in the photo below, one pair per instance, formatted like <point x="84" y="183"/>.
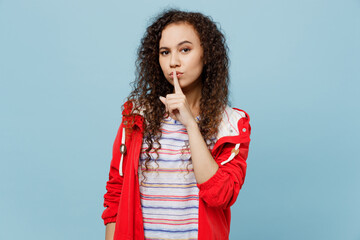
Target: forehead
<point x="175" y="33"/>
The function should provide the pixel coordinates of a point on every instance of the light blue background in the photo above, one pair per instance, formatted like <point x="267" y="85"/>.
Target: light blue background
<point x="65" y="68"/>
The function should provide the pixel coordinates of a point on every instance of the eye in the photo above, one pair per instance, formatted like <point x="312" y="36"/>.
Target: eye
<point x="185" y="49"/>
<point x="164" y="53"/>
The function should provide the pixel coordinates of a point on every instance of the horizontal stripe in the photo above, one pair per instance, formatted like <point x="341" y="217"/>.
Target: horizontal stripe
<point x="172" y="187"/>
<point x="165" y="144"/>
<point x="168" y="199"/>
<point x="173" y="152"/>
<point x="174" y="231"/>
<point x="173" y="214"/>
<point x="167" y="160"/>
<point x="171" y="123"/>
<point x="180" y="131"/>
<point x="164" y="185"/>
<point x="167" y="183"/>
<point x="175" y="220"/>
<point x="172" y="224"/>
<point x="166" y="170"/>
<point x="143" y="150"/>
<point x="180" y="140"/>
<point x="171" y="238"/>
<point x="170" y="202"/>
<point x="166" y="150"/>
<point x="171" y="221"/>
<point x="168" y="196"/>
<point x="171" y="208"/>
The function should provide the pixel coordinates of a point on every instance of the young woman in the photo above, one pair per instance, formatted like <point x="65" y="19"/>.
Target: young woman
<point x="179" y="157"/>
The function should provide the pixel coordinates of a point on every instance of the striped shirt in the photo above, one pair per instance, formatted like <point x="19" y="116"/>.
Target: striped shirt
<point x="169" y="196"/>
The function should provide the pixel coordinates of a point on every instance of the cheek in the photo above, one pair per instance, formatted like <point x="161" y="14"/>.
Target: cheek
<point x="161" y="63"/>
<point x="163" y="68"/>
<point x="197" y="64"/>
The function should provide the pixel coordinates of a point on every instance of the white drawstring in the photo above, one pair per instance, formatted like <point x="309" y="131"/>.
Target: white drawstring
<point x="234" y="152"/>
<point x="122" y="151"/>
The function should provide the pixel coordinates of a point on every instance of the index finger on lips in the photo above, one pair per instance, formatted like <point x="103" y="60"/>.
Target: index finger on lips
<point x="176" y="83"/>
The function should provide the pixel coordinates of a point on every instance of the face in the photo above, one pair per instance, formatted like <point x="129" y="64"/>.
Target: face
<point x="180" y="49"/>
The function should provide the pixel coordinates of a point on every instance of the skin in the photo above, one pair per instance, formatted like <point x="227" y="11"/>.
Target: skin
<point x="180" y="50"/>
<point x="110" y="230"/>
<point x="183" y="104"/>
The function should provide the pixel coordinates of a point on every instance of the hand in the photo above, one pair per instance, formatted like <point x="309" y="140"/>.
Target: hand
<point x="177" y="105"/>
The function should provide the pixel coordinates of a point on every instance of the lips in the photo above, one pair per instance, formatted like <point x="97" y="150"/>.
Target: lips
<point x="178" y="74"/>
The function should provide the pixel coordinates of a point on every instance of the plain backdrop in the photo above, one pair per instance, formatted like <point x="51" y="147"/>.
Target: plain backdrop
<point x="65" y="69"/>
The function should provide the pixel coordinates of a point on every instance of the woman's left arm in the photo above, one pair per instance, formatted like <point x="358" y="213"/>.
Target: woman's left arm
<point x="219" y="184"/>
<point x="204" y="164"/>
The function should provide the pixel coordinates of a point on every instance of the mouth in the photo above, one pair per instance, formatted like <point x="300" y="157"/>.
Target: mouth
<point x="178" y="74"/>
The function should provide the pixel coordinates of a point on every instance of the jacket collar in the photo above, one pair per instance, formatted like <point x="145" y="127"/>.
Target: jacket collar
<point x="228" y="126"/>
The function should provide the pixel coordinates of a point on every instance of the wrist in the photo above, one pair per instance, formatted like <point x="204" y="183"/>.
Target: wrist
<point x="192" y="126"/>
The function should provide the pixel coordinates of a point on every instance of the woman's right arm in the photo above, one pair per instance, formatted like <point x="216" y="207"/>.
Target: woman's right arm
<point x="113" y="187"/>
<point x="110" y="229"/>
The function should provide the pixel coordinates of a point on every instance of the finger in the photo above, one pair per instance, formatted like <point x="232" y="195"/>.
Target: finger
<point x="176" y="83"/>
<point x="173" y="116"/>
<point x="174" y="108"/>
<point x="163" y="100"/>
<point x="173" y="113"/>
<point x="173" y="96"/>
<point x="179" y="102"/>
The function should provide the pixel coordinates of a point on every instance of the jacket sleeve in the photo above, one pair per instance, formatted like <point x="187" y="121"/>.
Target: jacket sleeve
<point x="222" y="189"/>
<point x="114" y="184"/>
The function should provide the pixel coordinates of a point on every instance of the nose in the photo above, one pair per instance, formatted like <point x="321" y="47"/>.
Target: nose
<point x="174" y="60"/>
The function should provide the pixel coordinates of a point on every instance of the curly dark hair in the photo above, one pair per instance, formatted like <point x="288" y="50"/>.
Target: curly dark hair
<point x="150" y="82"/>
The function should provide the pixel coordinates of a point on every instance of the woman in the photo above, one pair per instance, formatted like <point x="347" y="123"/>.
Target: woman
<point x="179" y="157"/>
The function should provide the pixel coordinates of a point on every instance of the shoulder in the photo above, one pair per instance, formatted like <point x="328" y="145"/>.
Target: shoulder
<point x="233" y="123"/>
<point x="131" y="107"/>
<point x="132" y="115"/>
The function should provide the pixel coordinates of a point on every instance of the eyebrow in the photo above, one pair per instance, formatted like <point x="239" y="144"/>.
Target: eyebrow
<point x="186" y="41"/>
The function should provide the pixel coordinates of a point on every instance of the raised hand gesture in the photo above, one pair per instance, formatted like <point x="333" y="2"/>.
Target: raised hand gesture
<point x="177" y="105"/>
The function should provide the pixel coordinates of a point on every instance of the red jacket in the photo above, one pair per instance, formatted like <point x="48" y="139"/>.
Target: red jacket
<point x="216" y="195"/>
